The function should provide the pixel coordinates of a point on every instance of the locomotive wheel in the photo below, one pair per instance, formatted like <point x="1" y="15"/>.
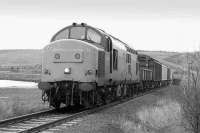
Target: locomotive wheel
<point x="89" y="99"/>
<point x="56" y="104"/>
<point x="124" y="90"/>
<point x="129" y="90"/>
<point x="119" y="91"/>
<point x="99" y="97"/>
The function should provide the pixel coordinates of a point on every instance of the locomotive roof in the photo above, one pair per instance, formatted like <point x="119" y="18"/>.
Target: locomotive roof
<point x="129" y="49"/>
<point x="102" y="32"/>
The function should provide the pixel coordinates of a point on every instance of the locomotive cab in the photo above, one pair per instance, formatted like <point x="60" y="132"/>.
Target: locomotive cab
<point x="74" y="60"/>
<point x="77" y="51"/>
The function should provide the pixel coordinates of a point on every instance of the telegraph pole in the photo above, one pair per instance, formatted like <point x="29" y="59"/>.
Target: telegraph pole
<point x="189" y="63"/>
<point x="188" y="72"/>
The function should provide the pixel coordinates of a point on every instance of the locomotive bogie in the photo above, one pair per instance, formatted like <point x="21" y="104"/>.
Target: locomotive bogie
<point x="124" y="64"/>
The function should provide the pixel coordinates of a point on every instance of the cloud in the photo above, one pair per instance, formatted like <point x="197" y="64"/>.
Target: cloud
<point x="158" y="8"/>
<point x="150" y="25"/>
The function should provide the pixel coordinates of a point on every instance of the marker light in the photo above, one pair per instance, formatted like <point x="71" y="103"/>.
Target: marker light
<point x="67" y="70"/>
<point x="74" y="24"/>
<point x="77" y="56"/>
<point x="47" y="72"/>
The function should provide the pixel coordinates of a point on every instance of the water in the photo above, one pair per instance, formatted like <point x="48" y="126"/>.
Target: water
<point x="17" y="84"/>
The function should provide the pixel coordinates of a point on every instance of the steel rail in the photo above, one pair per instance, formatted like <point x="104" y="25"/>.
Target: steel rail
<point x="24" y="117"/>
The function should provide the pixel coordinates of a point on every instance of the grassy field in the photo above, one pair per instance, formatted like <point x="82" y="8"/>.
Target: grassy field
<point x="20" y="76"/>
<point x="159" y="112"/>
<point x="20" y="56"/>
<point x="16" y="101"/>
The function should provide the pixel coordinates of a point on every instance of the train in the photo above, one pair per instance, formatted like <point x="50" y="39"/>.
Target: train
<point x="84" y="65"/>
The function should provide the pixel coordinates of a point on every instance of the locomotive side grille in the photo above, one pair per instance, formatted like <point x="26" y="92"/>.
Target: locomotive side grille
<point x="101" y="64"/>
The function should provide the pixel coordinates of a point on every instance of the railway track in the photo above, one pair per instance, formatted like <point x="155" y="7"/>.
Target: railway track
<point x="10" y="125"/>
<point x="46" y="120"/>
<point x="30" y="121"/>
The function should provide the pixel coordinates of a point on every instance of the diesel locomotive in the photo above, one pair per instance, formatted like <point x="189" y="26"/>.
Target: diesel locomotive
<point x="84" y="65"/>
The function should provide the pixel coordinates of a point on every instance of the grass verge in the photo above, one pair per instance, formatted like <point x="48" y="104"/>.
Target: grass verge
<point x="16" y="101"/>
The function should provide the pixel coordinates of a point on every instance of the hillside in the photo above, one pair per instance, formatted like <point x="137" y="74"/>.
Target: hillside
<point x="159" y="54"/>
<point x="170" y="59"/>
<point x="20" y="57"/>
<point x="181" y="59"/>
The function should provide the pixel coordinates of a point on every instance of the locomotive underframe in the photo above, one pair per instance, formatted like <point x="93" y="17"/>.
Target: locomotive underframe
<point x="70" y="93"/>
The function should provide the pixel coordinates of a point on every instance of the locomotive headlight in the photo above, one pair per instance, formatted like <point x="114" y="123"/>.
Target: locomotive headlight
<point x="67" y="71"/>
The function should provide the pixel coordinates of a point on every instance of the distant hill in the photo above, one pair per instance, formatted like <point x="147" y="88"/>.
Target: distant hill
<point x="20" y="57"/>
<point x="158" y="54"/>
<point x="167" y="58"/>
<point x="180" y="58"/>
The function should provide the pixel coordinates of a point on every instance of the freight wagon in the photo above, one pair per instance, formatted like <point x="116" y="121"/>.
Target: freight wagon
<point x="153" y="73"/>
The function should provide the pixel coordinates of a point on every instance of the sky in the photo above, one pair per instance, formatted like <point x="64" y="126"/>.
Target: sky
<point x="159" y="25"/>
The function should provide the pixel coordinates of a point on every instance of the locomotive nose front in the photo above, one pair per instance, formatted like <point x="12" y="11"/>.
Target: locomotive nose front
<point x="68" y="60"/>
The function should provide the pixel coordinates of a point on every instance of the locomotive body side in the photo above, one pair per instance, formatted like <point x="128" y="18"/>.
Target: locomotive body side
<point x="124" y="64"/>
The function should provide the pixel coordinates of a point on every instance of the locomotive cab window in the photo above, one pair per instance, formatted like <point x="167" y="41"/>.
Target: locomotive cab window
<point x="62" y="35"/>
<point x="77" y="33"/>
<point x="115" y="59"/>
<point x="128" y="58"/>
<point x="93" y="36"/>
<point x="80" y="33"/>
